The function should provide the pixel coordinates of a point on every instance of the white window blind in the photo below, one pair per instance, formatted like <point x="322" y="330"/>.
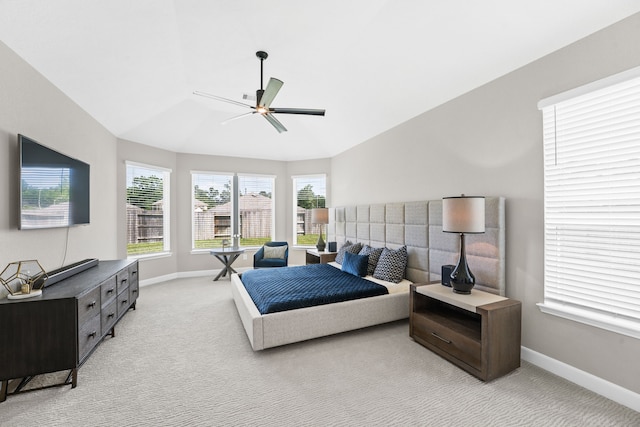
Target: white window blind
<point x="227" y="205"/>
<point x="256" y="201"/>
<point x="212" y="212"/>
<point x="592" y="207"/>
<point x="310" y="191"/>
<point x="147" y="209"/>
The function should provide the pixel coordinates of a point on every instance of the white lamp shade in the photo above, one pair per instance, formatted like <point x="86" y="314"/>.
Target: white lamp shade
<point x="320" y="216"/>
<point x="463" y="214"/>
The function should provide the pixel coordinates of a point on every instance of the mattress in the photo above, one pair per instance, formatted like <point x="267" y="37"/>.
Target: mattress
<point x="281" y="289"/>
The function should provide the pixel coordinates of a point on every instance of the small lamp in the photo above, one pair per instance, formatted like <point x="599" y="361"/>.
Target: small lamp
<point x="463" y="215"/>
<point x="320" y="216"/>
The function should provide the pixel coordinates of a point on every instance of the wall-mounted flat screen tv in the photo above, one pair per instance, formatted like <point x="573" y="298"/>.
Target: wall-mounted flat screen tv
<point x="54" y="188"/>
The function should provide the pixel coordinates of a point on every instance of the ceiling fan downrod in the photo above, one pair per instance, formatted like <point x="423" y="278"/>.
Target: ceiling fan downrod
<point x="262" y="55"/>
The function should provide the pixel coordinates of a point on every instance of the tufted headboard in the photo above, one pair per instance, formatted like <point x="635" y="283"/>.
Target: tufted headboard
<point x="419" y="226"/>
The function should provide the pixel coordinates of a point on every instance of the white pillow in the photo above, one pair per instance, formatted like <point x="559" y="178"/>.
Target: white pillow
<point x="275" y="251"/>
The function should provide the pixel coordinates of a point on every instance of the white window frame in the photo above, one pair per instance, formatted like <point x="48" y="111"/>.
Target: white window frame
<point x="235" y="208"/>
<point x="232" y="200"/>
<point x="294" y="180"/>
<point x="273" y="201"/>
<point x="592" y="204"/>
<point x="166" y="207"/>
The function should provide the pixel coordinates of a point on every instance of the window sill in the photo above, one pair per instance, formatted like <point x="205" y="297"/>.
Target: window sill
<point x="608" y="322"/>
<point x="145" y="257"/>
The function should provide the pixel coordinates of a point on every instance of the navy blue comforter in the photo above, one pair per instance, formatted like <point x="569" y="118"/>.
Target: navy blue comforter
<point x="289" y="288"/>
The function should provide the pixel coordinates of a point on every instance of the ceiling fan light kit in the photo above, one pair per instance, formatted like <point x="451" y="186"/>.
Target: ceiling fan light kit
<point x="264" y="98"/>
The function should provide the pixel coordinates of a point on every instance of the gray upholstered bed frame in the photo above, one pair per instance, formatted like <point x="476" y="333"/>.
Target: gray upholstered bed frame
<point x="415" y="224"/>
<point x="419" y="226"/>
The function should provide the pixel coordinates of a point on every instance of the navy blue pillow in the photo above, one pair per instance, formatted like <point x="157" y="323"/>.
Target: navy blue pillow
<point x="355" y="264"/>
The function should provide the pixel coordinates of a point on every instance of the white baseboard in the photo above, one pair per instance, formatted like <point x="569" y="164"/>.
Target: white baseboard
<point x="584" y="379"/>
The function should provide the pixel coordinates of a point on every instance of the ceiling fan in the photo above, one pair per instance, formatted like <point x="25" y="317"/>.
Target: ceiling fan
<point x="264" y="98"/>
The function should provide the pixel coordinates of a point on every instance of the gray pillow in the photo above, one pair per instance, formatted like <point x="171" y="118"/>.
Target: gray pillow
<point x="392" y="265"/>
<point x="353" y="248"/>
<point x="374" y="257"/>
<point x="275" y="251"/>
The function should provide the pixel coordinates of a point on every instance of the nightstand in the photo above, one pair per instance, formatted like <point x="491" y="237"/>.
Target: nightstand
<point x="479" y="333"/>
<point x="315" y="257"/>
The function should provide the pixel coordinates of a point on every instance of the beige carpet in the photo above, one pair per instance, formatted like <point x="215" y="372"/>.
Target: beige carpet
<point x="183" y="359"/>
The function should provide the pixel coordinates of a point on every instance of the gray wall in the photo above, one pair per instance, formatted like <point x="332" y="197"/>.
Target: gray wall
<point x="489" y="142"/>
<point x="31" y="105"/>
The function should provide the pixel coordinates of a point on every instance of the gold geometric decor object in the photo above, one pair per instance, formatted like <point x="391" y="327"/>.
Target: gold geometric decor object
<point x="23" y="279"/>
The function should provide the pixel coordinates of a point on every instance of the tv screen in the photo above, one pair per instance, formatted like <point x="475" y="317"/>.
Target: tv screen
<point x="54" y="188"/>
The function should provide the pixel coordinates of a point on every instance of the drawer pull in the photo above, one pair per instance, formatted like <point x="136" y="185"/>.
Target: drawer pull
<point x="124" y="301"/>
<point x="133" y="273"/>
<point x="109" y="291"/>
<point x="91" y="304"/>
<point x="134" y="291"/>
<point x="123" y="281"/>
<point x="110" y="315"/>
<point x="440" y="338"/>
<point x="92" y="334"/>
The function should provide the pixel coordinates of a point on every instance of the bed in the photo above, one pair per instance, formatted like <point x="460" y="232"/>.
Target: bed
<point x="416" y="225"/>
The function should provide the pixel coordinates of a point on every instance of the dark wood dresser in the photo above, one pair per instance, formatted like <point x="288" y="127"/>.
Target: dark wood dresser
<point x="58" y="330"/>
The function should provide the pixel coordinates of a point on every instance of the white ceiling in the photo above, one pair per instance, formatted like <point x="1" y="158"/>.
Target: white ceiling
<point x="373" y="64"/>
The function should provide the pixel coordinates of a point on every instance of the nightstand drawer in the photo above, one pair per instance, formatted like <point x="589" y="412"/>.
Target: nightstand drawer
<point x="457" y="345"/>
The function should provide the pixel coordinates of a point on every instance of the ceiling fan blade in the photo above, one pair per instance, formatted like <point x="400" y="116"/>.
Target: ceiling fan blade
<point x="273" y="87"/>
<point x="276" y="124"/>
<point x="309" y="111"/>
<point x="219" y="98"/>
<point x="238" y="117"/>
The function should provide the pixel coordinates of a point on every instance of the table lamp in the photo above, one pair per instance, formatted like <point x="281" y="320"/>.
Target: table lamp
<point x="463" y="215"/>
<point x="320" y="216"/>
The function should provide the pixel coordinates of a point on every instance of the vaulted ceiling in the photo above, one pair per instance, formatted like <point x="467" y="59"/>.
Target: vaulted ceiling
<point x="372" y="64"/>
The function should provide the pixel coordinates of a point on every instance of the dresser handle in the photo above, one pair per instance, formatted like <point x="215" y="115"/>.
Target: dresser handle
<point x="440" y="338"/>
<point x="133" y="273"/>
<point x="110" y="315"/>
<point x="92" y="334"/>
<point x="91" y="304"/>
<point x="134" y="291"/>
<point x="110" y="291"/>
<point x="124" y="301"/>
<point x="123" y="281"/>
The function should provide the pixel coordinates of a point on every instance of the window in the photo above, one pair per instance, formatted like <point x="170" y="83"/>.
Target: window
<point x="256" y="209"/>
<point x="147" y="209"/>
<point x="212" y="210"/>
<point x="310" y="192"/>
<point x="592" y="204"/>
<point x="227" y="206"/>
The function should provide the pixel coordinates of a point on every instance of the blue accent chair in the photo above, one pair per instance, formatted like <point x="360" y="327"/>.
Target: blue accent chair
<point x="259" y="261"/>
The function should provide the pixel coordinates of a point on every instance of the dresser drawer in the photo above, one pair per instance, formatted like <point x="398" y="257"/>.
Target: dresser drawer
<point x="108" y="291"/>
<point x="452" y="342"/>
<point x="134" y="289"/>
<point x="88" y="305"/>
<point x="109" y="316"/>
<point x="123" y="302"/>
<point x="88" y="336"/>
<point x="123" y="280"/>
<point x="133" y="274"/>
